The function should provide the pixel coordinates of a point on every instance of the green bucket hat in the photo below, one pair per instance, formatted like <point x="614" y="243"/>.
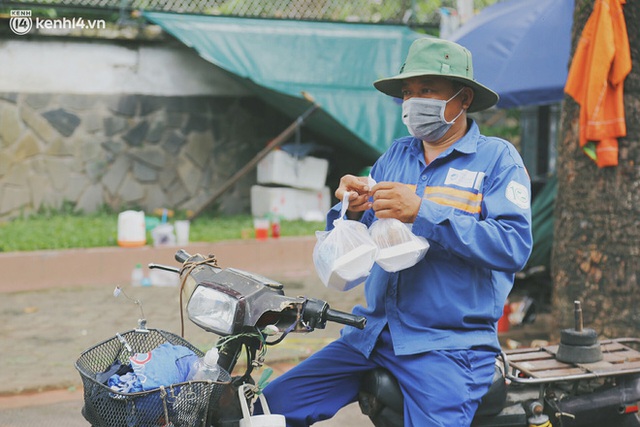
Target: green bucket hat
<point x="430" y="56"/>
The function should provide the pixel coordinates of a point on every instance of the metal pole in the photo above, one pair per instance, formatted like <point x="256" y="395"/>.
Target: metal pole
<point x="578" y="316"/>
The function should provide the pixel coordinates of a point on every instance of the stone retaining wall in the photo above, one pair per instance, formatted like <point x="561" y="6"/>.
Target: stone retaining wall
<point x="123" y="151"/>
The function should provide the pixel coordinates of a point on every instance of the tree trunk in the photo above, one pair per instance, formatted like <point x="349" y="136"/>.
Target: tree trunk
<point x="596" y="251"/>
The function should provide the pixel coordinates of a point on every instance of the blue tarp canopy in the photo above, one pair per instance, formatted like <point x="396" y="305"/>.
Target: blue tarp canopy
<point x="336" y="63"/>
<point x="521" y="49"/>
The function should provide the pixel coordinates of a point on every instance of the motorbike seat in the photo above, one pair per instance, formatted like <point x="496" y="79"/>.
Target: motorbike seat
<point x="380" y="389"/>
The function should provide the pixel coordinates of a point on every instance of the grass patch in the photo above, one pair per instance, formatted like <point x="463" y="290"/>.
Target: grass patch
<point x="65" y="230"/>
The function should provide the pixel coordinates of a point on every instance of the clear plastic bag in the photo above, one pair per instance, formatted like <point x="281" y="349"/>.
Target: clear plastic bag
<point x="398" y="247"/>
<point x="343" y="257"/>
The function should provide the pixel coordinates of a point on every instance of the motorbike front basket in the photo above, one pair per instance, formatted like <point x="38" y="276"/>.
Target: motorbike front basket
<point x="181" y="405"/>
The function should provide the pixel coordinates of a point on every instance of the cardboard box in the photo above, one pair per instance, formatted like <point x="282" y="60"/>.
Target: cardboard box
<point x="290" y="203"/>
<point x="281" y="168"/>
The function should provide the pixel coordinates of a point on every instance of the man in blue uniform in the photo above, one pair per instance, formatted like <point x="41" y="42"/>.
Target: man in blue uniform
<point x="433" y="325"/>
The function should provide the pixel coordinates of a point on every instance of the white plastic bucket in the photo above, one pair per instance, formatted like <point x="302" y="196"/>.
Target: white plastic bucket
<point x="131" y="229"/>
<point x="163" y="235"/>
<point x="266" y="420"/>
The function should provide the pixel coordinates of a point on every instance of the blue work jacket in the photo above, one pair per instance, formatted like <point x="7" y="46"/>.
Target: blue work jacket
<point x="476" y="215"/>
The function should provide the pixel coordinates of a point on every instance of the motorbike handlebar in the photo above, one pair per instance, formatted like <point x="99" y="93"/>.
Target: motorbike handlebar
<point x="346" y="318"/>
<point x="182" y="255"/>
<point x="318" y="312"/>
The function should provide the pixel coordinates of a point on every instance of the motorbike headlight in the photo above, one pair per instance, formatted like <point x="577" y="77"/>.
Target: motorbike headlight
<point x="213" y="310"/>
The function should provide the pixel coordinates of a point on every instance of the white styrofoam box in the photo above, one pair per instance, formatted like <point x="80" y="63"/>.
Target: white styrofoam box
<point x="313" y="204"/>
<point x="273" y="200"/>
<point x="281" y="168"/>
<point x="290" y="203"/>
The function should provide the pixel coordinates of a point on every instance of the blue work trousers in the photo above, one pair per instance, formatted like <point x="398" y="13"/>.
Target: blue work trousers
<point x="441" y="388"/>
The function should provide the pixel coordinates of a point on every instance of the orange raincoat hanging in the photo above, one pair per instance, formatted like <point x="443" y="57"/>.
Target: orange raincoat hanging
<point x="596" y="77"/>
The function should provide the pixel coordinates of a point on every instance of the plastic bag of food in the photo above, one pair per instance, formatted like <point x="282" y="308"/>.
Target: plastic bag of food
<point x="398" y="247"/>
<point x="343" y="257"/>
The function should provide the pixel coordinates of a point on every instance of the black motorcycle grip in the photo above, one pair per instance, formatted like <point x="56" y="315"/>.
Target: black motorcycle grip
<point x="182" y="255"/>
<point x="346" y="318"/>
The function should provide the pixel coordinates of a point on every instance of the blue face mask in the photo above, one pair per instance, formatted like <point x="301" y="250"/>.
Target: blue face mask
<point x="424" y="117"/>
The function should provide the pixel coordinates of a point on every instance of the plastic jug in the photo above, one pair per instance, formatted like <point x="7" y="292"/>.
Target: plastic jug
<point x="131" y="229"/>
<point x="266" y="420"/>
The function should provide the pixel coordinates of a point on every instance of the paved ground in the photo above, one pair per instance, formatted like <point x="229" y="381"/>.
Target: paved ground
<point x="44" y="331"/>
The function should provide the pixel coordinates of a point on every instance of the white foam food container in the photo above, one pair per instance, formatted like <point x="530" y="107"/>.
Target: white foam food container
<point x="352" y="268"/>
<point x="402" y="256"/>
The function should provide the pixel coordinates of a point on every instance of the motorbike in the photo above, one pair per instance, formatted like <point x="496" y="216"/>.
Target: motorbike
<point x="579" y="382"/>
<point x="248" y="312"/>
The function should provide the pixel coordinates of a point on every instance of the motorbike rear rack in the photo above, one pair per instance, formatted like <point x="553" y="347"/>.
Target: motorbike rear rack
<point x="539" y="365"/>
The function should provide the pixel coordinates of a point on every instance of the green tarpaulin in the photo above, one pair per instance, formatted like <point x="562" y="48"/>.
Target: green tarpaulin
<point x="336" y="63"/>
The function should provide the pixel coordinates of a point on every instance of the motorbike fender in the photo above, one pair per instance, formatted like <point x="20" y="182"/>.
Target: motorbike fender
<point x="603" y="407"/>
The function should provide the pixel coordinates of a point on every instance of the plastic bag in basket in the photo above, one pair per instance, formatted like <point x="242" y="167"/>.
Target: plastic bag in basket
<point x="164" y="365"/>
<point x="343" y="257"/>
<point x="181" y="404"/>
<point x="398" y="247"/>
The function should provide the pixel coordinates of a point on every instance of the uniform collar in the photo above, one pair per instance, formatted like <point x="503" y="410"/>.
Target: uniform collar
<point x="468" y="144"/>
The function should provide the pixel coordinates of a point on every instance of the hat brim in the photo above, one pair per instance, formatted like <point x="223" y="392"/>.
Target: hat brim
<point x="483" y="97"/>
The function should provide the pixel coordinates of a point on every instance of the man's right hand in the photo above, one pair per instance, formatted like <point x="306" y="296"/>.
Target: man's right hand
<point x="358" y="187"/>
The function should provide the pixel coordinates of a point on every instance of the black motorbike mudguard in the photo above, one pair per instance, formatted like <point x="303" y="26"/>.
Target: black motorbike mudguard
<point x="605" y="407"/>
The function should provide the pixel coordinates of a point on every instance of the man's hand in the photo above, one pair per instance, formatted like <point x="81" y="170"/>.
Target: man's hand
<point x="358" y="188"/>
<point x="395" y="200"/>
